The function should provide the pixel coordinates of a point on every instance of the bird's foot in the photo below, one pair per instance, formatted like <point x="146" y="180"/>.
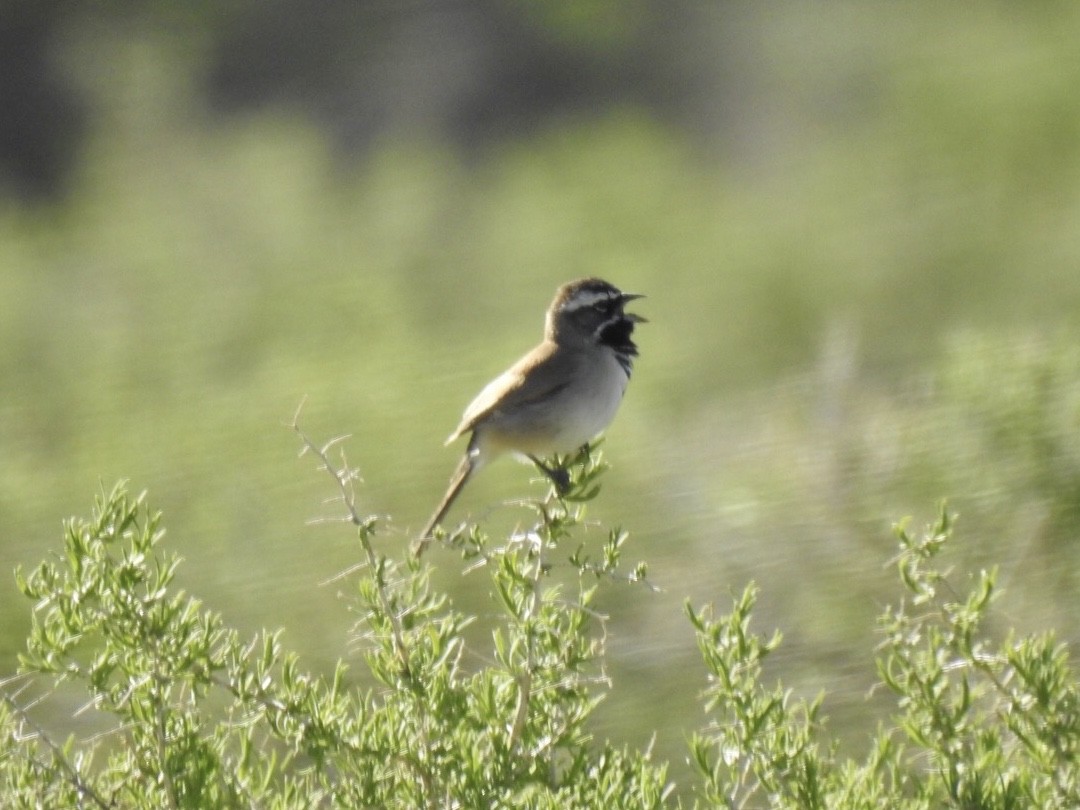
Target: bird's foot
<point x="559" y="475"/>
<point x="560" y="478"/>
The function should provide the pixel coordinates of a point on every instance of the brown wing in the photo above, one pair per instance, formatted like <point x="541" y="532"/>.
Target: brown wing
<point x="509" y="391"/>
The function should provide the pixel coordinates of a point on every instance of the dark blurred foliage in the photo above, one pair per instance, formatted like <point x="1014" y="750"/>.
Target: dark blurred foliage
<point x="467" y="72"/>
<point x="42" y="118"/>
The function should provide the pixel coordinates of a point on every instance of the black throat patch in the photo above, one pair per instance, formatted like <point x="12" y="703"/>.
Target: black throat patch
<point x="616" y="334"/>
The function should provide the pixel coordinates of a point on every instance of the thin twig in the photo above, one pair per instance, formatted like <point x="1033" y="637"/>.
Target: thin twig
<point x="344" y="478"/>
<point x="352" y="569"/>
<point x="73" y="776"/>
<point x="524" y="678"/>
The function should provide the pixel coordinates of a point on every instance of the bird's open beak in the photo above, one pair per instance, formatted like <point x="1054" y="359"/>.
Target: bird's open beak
<point x="627" y="298"/>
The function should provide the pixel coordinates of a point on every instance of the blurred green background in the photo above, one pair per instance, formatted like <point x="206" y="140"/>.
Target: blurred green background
<point x="857" y="225"/>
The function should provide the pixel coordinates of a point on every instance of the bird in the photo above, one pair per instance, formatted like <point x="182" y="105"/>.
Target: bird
<point x="557" y="397"/>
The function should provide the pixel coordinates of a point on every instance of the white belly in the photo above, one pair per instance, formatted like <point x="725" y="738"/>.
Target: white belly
<point x="587" y="407"/>
<point x="561" y="422"/>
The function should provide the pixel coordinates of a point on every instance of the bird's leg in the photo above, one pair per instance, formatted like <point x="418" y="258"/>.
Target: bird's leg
<point x="558" y="475"/>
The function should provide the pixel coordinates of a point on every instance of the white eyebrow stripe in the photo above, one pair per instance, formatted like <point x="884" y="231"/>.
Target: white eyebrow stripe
<point x="587" y="299"/>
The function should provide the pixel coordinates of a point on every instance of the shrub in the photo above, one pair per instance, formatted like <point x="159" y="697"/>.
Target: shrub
<point x="198" y="717"/>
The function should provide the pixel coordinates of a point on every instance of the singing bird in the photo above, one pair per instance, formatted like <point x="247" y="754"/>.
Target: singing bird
<point x="557" y="397"/>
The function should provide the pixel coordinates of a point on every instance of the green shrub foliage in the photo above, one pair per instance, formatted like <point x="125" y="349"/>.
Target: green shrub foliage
<point x="193" y="716"/>
<point x="978" y="724"/>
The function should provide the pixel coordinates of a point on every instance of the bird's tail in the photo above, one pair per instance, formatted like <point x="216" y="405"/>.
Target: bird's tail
<point x="461" y="476"/>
